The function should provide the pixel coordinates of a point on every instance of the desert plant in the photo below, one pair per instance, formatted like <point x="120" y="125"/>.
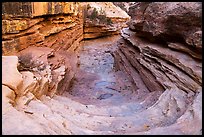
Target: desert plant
<point x="102" y="12"/>
<point x="26" y="62"/>
<point x="100" y="15"/>
<point x="94" y="14"/>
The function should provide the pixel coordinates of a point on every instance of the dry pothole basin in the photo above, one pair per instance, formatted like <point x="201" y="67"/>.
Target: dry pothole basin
<point x="130" y="99"/>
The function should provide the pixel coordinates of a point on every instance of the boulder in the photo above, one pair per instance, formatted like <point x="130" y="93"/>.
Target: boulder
<point x="43" y="69"/>
<point x="169" y="21"/>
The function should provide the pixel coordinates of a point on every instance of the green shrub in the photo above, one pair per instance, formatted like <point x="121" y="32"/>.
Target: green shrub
<point x="101" y="15"/>
<point x="94" y="14"/>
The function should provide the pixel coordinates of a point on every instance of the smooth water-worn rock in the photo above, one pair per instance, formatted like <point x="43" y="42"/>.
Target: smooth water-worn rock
<point x="145" y="81"/>
<point x="10" y="75"/>
<point x="8" y="98"/>
<point x="157" y="46"/>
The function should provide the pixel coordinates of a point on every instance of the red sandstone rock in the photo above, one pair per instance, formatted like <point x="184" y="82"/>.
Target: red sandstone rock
<point x="21" y="30"/>
<point x="171" y="21"/>
<point x="164" y="96"/>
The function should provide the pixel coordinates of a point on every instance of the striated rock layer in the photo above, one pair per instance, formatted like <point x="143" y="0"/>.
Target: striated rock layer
<point x="156" y="88"/>
<point x="161" y="47"/>
<point x="44" y="36"/>
<point x="39" y="47"/>
<point x="103" y="19"/>
<point x="49" y="24"/>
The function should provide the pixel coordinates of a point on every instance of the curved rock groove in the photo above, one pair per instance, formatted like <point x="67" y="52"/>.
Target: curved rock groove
<point x="103" y="101"/>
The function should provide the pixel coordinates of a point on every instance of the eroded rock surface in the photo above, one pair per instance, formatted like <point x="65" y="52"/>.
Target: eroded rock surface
<point x="34" y="72"/>
<point x="58" y="25"/>
<point x="156" y="46"/>
<point x="171" y="22"/>
<point x="146" y="81"/>
<point x="43" y="40"/>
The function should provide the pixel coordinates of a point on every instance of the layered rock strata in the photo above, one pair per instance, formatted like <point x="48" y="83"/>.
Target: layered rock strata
<point x="163" y="45"/>
<point x="37" y="33"/>
<point x="164" y="68"/>
<point x="58" y="25"/>
<point x="103" y="19"/>
<point x="39" y="47"/>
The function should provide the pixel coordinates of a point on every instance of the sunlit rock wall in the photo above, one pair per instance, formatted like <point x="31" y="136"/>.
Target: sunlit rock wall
<point x="58" y="25"/>
<point x="42" y="38"/>
<point x="103" y="19"/>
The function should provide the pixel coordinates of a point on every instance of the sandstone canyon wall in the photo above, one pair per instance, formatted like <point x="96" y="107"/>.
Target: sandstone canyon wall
<point x="160" y="51"/>
<point x="163" y="46"/>
<point x="103" y="19"/>
<point x="39" y="44"/>
<point x="51" y="24"/>
<point x="45" y="37"/>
